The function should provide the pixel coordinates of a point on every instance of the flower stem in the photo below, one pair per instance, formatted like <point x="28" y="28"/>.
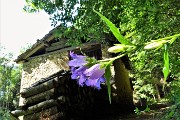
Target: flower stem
<point x="167" y="38"/>
<point x="112" y="59"/>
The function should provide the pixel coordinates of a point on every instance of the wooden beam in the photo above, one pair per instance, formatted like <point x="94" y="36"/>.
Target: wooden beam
<point x="53" y="48"/>
<point x="84" y="46"/>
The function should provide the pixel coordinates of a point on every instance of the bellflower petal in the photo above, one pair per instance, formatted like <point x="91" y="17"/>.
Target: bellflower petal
<point x="95" y="82"/>
<point x="95" y="71"/>
<point x="98" y="86"/>
<point x="74" y="76"/>
<point x="91" y="82"/>
<point x="80" y="70"/>
<point x="77" y="72"/>
<point x="82" y="80"/>
<point x="75" y="56"/>
<point x="100" y="80"/>
<point x="77" y="62"/>
<point x="73" y="69"/>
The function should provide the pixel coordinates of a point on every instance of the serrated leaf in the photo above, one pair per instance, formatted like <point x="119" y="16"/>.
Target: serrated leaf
<point x="166" y="62"/>
<point x="108" y="78"/>
<point x="113" y="29"/>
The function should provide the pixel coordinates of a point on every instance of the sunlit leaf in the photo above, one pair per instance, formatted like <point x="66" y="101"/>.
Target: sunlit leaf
<point x="113" y="29"/>
<point x="166" y="62"/>
<point x="173" y="39"/>
<point x="108" y="78"/>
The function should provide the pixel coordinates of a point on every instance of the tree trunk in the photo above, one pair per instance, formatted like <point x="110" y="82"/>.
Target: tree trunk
<point x="124" y="92"/>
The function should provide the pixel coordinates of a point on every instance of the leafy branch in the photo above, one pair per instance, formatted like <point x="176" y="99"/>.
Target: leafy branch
<point x="126" y="47"/>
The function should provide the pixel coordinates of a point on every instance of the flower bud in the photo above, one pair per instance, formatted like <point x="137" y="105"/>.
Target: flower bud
<point x="154" y="45"/>
<point x="118" y="48"/>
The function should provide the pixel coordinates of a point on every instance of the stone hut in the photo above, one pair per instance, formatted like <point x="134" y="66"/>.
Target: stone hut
<point x="47" y="91"/>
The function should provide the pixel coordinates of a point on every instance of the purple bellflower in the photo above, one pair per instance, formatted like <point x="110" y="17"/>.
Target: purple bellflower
<point x="95" y="76"/>
<point x="77" y="73"/>
<point x="78" y="60"/>
<point x="92" y="76"/>
<point x="77" y="67"/>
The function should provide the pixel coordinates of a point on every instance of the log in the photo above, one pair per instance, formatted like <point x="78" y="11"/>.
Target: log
<point x="61" y="99"/>
<point x="13" y="117"/>
<point x="34" y="109"/>
<point x="40" y="88"/>
<point x="43" y="105"/>
<point x="62" y="79"/>
<point x="61" y="90"/>
<point x="40" y="97"/>
<point x="56" y="116"/>
<point x="17" y="113"/>
<point x="47" y="112"/>
<point x="38" y="107"/>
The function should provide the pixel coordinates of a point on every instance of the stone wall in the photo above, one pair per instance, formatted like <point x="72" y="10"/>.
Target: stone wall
<point x="41" y="67"/>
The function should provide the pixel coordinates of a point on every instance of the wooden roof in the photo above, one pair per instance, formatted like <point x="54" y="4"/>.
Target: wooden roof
<point x="45" y="45"/>
<point x="40" y="44"/>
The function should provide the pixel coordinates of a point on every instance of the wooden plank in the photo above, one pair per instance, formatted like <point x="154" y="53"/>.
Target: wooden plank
<point x="53" y="48"/>
<point x="60" y="42"/>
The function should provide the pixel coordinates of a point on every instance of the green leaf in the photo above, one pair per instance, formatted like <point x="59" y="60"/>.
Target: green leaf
<point x="170" y="114"/>
<point x="113" y="29"/>
<point x="173" y="39"/>
<point x="166" y="62"/>
<point x="91" y="61"/>
<point x="108" y="78"/>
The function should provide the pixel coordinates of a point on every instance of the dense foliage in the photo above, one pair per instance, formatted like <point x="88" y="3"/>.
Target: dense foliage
<point x="9" y="85"/>
<point x="140" y="21"/>
<point x="144" y="20"/>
